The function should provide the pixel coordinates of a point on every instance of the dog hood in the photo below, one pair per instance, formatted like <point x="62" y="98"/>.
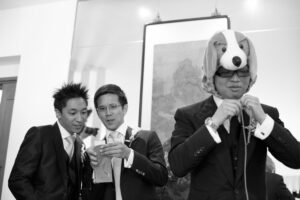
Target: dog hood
<point x="232" y="50"/>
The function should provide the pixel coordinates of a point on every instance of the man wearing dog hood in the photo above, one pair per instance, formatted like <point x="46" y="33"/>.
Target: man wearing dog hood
<point x="213" y="137"/>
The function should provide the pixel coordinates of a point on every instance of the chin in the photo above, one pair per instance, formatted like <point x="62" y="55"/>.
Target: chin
<point x="234" y="96"/>
<point x="110" y="127"/>
<point x="237" y="96"/>
<point x="77" y="130"/>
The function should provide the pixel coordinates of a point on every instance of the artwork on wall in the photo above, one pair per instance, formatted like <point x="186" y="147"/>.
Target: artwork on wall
<point x="171" y="68"/>
<point x="171" y="78"/>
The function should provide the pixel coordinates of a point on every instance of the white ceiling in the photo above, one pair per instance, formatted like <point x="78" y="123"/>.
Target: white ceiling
<point x="9" y="4"/>
<point x="104" y="27"/>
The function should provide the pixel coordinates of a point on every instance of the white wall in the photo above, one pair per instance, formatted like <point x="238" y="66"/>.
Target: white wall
<point x="9" y="66"/>
<point x="42" y="37"/>
<point x="10" y="23"/>
<point x="278" y="82"/>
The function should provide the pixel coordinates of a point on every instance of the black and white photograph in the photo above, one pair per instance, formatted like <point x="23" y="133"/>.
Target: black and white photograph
<point x="149" y="100"/>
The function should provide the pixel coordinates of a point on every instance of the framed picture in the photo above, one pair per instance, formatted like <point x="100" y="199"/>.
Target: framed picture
<point x="171" y="78"/>
<point x="171" y="69"/>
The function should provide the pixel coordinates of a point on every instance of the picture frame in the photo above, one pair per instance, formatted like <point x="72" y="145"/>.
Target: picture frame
<point x="171" y="78"/>
<point x="169" y="46"/>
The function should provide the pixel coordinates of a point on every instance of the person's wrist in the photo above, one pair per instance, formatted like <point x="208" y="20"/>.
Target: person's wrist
<point x="262" y="118"/>
<point x="128" y="151"/>
<point x="211" y="123"/>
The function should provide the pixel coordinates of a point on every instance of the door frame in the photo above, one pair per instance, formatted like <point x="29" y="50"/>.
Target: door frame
<point x="6" y="109"/>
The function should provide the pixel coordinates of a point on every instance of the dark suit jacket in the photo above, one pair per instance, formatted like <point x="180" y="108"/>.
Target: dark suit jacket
<point x="276" y="188"/>
<point x="194" y="151"/>
<point x="40" y="170"/>
<point x="147" y="171"/>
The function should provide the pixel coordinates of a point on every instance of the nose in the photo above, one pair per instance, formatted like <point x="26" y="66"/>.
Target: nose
<point x="108" y="111"/>
<point x="235" y="77"/>
<point x="236" y="60"/>
<point x="80" y="117"/>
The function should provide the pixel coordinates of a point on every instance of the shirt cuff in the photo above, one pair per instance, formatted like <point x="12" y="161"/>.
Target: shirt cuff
<point x="214" y="134"/>
<point x="128" y="163"/>
<point x="264" y="130"/>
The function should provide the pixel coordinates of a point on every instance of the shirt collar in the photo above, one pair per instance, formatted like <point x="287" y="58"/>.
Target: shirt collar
<point x="218" y="100"/>
<point x="226" y="123"/>
<point x="122" y="129"/>
<point x="64" y="133"/>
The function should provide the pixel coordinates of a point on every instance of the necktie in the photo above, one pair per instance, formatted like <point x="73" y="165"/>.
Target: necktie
<point x="234" y="136"/>
<point x="116" y="162"/>
<point x="70" y="145"/>
<point x="234" y="129"/>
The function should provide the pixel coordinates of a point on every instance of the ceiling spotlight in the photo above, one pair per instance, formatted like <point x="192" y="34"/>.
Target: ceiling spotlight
<point x="144" y="13"/>
<point x="251" y="4"/>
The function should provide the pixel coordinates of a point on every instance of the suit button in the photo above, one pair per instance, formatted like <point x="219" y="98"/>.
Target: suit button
<point x="198" y="151"/>
<point x="236" y="191"/>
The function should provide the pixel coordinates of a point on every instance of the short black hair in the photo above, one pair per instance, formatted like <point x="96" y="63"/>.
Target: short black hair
<point x="111" y="89"/>
<point x="69" y="91"/>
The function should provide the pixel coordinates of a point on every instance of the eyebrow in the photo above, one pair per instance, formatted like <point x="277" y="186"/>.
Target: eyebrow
<point x="74" y="109"/>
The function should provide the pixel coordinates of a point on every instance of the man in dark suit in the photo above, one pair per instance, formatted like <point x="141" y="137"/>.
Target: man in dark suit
<point x="222" y="141"/>
<point x="50" y="160"/>
<point x="137" y="156"/>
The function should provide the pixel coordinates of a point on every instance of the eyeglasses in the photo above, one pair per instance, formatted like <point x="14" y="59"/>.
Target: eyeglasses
<point x="110" y="107"/>
<point x="225" y="73"/>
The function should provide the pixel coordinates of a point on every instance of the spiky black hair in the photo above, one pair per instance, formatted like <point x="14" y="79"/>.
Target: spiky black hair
<point x="69" y="91"/>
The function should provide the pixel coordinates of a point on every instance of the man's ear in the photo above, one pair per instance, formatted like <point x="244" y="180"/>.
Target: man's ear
<point x="57" y="113"/>
<point x="97" y="113"/>
<point x="125" y="108"/>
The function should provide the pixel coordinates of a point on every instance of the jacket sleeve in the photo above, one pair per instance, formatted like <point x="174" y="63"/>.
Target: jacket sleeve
<point x="282" y="191"/>
<point x="189" y="145"/>
<point x="152" y="165"/>
<point x="27" y="161"/>
<point x="87" y="177"/>
<point x="282" y="144"/>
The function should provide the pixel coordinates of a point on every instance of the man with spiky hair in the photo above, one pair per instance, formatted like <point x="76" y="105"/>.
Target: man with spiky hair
<point x="50" y="160"/>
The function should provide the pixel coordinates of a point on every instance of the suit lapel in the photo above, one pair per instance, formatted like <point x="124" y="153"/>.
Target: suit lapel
<point x="127" y="136"/>
<point x="222" y="151"/>
<point x="60" y="152"/>
<point x="127" y="142"/>
<point x="77" y="152"/>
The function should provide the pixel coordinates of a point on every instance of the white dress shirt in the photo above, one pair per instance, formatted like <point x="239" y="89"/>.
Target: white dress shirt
<point x="122" y="130"/>
<point x="65" y="134"/>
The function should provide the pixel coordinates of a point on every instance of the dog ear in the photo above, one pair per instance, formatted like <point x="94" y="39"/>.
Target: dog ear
<point x="209" y="65"/>
<point x="252" y="61"/>
<point x="210" y="57"/>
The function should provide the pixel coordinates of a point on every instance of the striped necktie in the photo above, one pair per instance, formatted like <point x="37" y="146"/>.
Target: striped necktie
<point x="116" y="163"/>
<point x="70" y="145"/>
